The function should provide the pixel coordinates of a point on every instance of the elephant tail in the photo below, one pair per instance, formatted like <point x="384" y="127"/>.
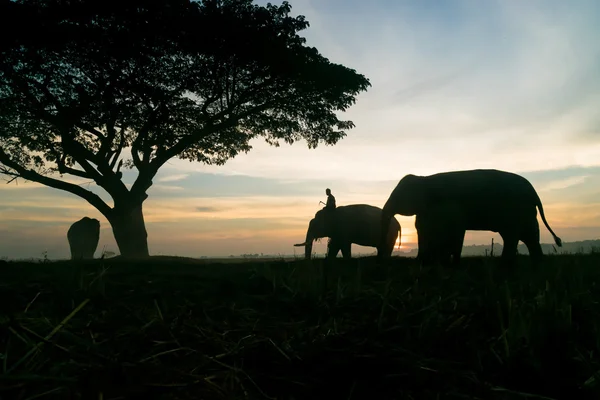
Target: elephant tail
<point x="557" y="240"/>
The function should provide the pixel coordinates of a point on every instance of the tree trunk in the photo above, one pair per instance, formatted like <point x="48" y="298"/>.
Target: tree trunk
<point x="129" y="229"/>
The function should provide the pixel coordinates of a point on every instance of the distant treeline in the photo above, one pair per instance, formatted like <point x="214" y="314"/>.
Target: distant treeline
<point x="582" y="246"/>
<point x="579" y="247"/>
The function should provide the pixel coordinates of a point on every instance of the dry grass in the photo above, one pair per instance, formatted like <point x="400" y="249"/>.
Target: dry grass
<point x="176" y="329"/>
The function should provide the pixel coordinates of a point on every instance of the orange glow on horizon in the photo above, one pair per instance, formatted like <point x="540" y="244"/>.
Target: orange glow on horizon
<point x="215" y="226"/>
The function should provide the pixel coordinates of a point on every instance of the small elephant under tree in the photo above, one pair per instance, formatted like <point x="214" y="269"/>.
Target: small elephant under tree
<point x="441" y="235"/>
<point x="83" y="237"/>
<point x="486" y="199"/>
<point x="355" y="223"/>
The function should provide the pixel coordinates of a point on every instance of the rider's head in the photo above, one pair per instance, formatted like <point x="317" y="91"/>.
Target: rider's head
<point x="327" y="191"/>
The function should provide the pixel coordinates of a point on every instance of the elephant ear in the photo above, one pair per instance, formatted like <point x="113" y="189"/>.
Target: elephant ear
<point x="336" y="223"/>
<point x="430" y="195"/>
<point x="415" y="192"/>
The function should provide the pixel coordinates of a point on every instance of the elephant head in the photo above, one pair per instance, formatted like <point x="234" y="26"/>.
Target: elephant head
<point x="318" y="227"/>
<point x="408" y="197"/>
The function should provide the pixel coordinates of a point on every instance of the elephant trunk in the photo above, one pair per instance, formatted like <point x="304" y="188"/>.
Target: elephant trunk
<point x="307" y="247"/>
<point x="308" y="242"/>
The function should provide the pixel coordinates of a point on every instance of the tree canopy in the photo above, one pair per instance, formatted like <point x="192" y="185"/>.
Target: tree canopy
<point x="88" y="87"/>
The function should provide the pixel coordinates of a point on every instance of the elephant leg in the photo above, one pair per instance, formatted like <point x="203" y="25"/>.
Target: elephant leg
<point x="441" y="247"/>
<point x="509" y="250"/>
<point x="388" y="249"/>
<point x="457" y="245"/>
<point x="387" y="252"/>
<point x="436" y="237"/>
<point x="449" y="257"/>
<point x="346" y="250"/>
<point x="422" y="253"/>
<point x="531" y="237"/>
<point x="427" y="248"/>
<point x="333" y="248"/>
<point x="445" y="259"/>
<point x="423" y="240"/>
<point x="444" y="249"/>
<point x="434" y="251"/>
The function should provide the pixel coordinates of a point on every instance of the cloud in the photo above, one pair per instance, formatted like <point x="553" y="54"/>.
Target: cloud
<point x="477" y="89"/>
<point x="392" y="159"/>
<point x="564" y="183"/>
<point x="425" y="87"/>
<point x="247" y="207"/>
<point x="207" y="209"/>
<point x="172" y="178"/>
<point x="165" y="188"/>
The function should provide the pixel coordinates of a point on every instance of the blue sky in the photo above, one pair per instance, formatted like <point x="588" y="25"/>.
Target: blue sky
<point x="512" y="85"/>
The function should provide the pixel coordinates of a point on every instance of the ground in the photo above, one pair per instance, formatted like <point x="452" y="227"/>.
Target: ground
<point x="171" y="328"/>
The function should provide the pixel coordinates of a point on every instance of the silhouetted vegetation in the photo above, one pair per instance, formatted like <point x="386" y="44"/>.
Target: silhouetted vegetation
<point x="186" y="329"/>
<point x="85" y="83"/>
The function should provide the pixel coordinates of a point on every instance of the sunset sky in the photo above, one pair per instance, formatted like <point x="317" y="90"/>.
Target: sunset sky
<point x="506" y="84"/>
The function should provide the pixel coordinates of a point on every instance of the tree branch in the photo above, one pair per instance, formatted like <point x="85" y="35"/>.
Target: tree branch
<point x="137" y="161"/>
<point x="139" y="142"/>
<point x="91" y="130"/>
<point x="189" y="140"/>
<point x="117" y="153"/>
<point x="64" y="169"/>
<point x="105" y="147"/>
<point x="78" y="151"/>
<point x="82" y="156"/>
<point x="30" y="175"/>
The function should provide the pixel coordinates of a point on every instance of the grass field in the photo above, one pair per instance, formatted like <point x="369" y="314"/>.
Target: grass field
<point x="172" y="328"/>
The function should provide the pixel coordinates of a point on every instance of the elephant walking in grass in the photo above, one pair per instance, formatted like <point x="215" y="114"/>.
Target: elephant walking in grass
<point x="83" y="237"/>
<point x="355" y="223"/>
<point x="440" y="235"/>
<point x="485" y="199"/>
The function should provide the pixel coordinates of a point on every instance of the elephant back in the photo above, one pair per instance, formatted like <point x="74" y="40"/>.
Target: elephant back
<point x="86" y="227"/>
<point x="474" y="185"/>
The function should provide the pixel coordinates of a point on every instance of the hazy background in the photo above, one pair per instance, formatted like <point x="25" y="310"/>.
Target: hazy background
<point x="511" y="85"/>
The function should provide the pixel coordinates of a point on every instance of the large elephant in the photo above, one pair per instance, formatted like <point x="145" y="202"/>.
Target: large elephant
<point x="440" y="234"/>
<point x="486" y="199"/>
<point x="83" y="238"/>
<point x="355" y="223"/>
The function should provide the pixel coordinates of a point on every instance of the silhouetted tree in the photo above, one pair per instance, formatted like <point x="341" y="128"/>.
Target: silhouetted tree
<point x="85" y="83"/>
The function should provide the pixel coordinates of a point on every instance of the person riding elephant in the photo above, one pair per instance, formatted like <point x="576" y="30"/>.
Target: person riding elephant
<point x="486" y="199"/>
<point x="354" y="223"/>
<point x="329" y="210"/>
<point x="83" y="237"/>
<point x="330" y="205"/>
